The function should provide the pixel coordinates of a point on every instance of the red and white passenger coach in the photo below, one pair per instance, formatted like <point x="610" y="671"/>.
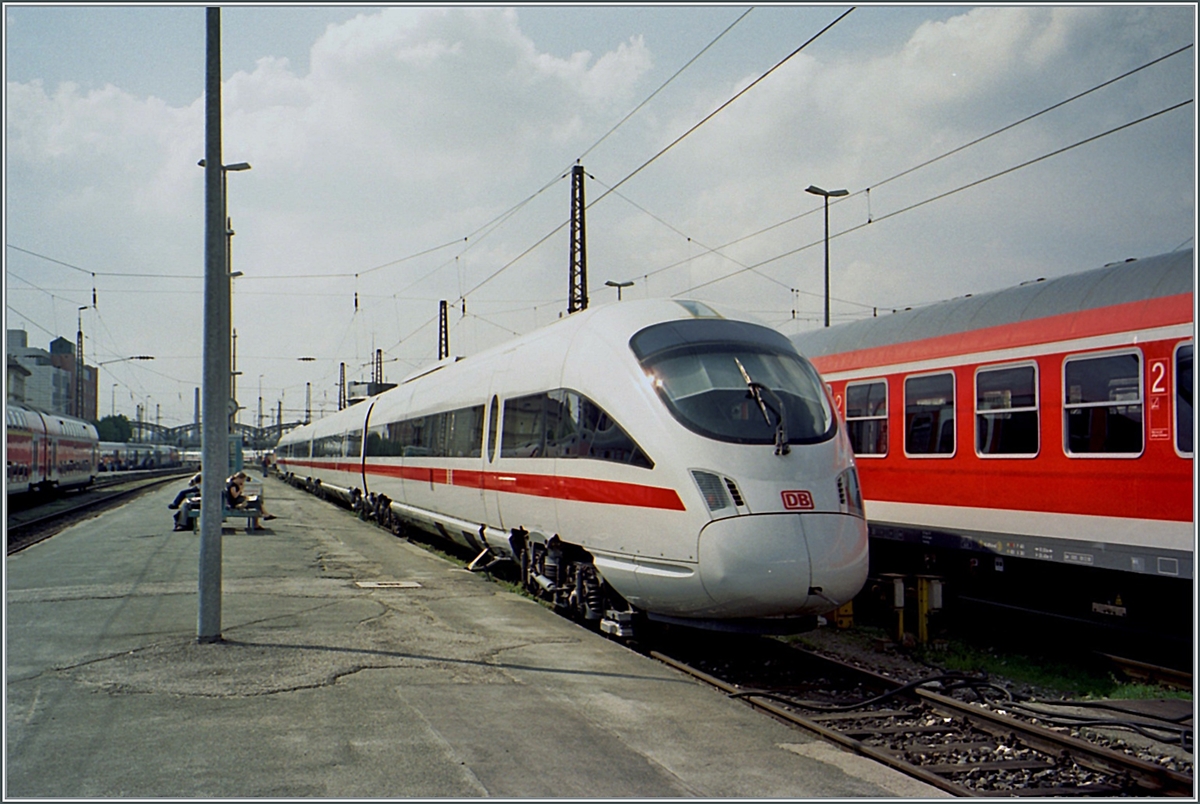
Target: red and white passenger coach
<point x="1035" y="443"/>
<point x="47" y="451"/>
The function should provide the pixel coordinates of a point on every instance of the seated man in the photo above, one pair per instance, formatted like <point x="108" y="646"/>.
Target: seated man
<point x="192" y="490"/>
<point x="183" y="517"/>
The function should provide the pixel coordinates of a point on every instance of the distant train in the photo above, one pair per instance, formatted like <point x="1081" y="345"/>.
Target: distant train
<point x="1033" y="445"/>
<point x="47" y="451"/>
<point x="117" y="457"/>
<point x="643" y="459"/>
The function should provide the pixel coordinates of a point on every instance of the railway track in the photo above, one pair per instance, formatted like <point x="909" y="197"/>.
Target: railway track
<point x="984" y="746"/>
<point x="27" y="527"/>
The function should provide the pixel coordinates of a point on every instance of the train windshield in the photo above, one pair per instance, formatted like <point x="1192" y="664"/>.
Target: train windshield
<point x="704" y="370"/>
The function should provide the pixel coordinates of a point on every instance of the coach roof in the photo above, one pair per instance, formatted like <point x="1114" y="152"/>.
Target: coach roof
<point x="1118" y="283"/>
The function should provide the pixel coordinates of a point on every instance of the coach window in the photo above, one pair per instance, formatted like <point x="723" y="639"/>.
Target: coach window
<point x="1103" y="404"/>
<point x="866" y="417"/>
<point x="1006" y="411"/>
<point x="576" y="427"/>
<point x="929" y="415"/>
<point x="354" y="444"/>
<point x="523" y="430"/>
<point x="463" y="432"/>
<point x="1183" y="400"/>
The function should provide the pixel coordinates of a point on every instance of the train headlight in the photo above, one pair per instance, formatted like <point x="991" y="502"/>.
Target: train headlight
<point x="849" y="493"/>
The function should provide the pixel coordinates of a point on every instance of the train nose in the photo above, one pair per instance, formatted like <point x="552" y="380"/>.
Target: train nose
<point x="767" y="565"/>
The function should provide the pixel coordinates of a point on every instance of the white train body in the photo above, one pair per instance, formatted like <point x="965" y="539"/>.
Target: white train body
<point x="627" y="435"/>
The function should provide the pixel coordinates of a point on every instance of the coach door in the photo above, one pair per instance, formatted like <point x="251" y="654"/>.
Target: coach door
<point x="362" y="452"/>
<point x="490" y="479"/>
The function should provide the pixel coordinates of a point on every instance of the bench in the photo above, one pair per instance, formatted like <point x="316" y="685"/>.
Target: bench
<point x="250" y="513"/>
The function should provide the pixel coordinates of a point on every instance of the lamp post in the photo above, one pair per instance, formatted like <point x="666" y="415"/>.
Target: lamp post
<point x="618" y="286"/>
<point x="229" y="272"/>
<point x="114" y="390"/>
<point x="815" y="190"/>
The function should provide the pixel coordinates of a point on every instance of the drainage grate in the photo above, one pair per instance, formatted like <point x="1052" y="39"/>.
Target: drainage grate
<point x="387" y="584"/>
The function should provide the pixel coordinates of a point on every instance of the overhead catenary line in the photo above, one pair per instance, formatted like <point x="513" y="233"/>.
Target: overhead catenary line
<point x="722" y="107"/>
<point x="663" y="86"/>
<point x="671" y="145"/>
<point x="928" y="162"/>
<point x="1002" y="129"/>
<point x="940" y="196"/>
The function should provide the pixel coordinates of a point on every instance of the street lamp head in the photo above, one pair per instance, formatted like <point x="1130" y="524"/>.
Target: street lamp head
<point x="227" y="168"/>
<point x="613" y="284"/>
<point x="815" y="190"/>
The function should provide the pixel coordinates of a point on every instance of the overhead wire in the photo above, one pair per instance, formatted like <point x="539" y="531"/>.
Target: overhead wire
<point x="926" y="163"/>
<point x="664" y="150"/>
<point x="941" y="196"/>
<point x="664" y="85"/>
<point x="724" y="105"/>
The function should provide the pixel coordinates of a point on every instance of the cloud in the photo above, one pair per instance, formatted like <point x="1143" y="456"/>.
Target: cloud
<point x="414" y="127"/>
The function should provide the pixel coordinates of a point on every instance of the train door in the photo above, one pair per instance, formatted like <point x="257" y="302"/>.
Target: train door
<point x="362" y="456"/>
<point x="1183" y="399"/>
<point x="490" y="479"/>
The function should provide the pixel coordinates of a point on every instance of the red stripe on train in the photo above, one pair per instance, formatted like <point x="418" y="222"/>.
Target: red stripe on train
<point x="1127" y="317"/>
<point x="559" y="487"/>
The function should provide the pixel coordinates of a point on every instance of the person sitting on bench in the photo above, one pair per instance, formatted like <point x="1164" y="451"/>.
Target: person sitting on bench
<point x="190" y="500"/>
<point x="192" y="490"/>
<point x="235" y="496"/>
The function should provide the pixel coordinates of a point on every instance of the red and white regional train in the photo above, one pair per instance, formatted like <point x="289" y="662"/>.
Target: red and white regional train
<point x="47" y="451"/>
<point x="1033" y="444"/>
<point x="651" y="458"/>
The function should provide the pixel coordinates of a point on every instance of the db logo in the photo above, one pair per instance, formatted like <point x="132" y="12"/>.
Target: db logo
<point x="797" y="500"/>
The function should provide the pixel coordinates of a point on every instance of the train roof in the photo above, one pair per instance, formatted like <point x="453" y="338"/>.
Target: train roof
<point x="618" y="319"/>
<point x="1116" y="283"/>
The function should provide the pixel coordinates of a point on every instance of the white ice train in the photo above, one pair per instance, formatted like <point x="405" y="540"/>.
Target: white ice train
<point x="653" y="458"/>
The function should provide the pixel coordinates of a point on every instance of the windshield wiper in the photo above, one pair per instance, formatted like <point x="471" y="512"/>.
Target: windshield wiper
<point x="756" y="393"/>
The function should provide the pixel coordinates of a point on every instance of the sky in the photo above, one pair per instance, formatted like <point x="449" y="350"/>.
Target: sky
<point x="406" y="155"/>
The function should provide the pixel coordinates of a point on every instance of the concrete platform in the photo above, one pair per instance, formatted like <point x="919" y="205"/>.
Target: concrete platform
<point x="445" y="685"/>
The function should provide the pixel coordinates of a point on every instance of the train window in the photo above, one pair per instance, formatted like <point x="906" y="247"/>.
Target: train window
<point x="452" y="433"/>
<point x="1183" y="400"/>
<point x="383" y="441"/>
<point x="699" y="369"/>
<point x="929" y="415"/>
<point x="576" y="427"/>
<point x="463" y="431"/>
<point x="1006" y="411"/>
<point x="565" y="424"/>
<point x="866" y="417"/>
<point x="328" y="447"/>
<point x="1103" y="404"/>
<point x="354" y="444"/>
<point x="522" y="434"/>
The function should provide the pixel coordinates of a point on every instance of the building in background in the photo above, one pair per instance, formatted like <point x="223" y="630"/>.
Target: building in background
<point x="50" y="382"/>
<point x="15" y="376"/>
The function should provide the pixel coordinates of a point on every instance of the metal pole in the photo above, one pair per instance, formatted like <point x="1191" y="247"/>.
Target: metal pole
<point x="216" y="379"/>
<point x="826" y="260"/>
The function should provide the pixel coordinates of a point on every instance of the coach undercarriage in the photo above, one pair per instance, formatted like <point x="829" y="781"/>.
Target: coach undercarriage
<point x="549" y="569"/>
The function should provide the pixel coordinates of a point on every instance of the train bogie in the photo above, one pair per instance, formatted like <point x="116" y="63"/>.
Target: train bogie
<point x="594" y="457"/>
